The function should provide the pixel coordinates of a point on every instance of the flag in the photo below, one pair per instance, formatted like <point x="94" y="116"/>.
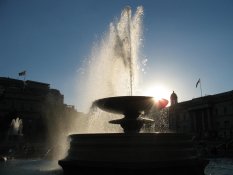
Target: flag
<point x="198" y="82"/>
<point x="22" y="73"/>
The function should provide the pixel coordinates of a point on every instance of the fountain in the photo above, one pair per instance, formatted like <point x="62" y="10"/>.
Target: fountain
<point x="15" y="134"/>
<point x="16" y="127"/>
<point x="131" y="151"/>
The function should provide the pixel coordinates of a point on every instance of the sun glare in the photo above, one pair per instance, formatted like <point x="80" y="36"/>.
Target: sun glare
<point x="158" y="92"/>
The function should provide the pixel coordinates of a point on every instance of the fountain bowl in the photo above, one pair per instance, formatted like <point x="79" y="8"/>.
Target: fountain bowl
<point x="130" y="104"/>
<point x="132" y="107"/>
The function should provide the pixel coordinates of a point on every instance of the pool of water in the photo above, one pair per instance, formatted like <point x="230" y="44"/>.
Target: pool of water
<point x="51" y="167"/>
<point x="220" y="166"/>
<point x="30" y="167"/>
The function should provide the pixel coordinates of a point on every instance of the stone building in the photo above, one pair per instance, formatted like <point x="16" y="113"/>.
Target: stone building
<point x="207" y="117"/>
<point x="41" y="110"/>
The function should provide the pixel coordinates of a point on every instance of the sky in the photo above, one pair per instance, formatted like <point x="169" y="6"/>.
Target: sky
<point x="183" y="40"/>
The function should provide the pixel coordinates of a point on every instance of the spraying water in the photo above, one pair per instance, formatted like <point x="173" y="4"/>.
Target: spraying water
<point x="112" y="70"/>
<point x="113" y="67"/>
<point x="16" y="127"/>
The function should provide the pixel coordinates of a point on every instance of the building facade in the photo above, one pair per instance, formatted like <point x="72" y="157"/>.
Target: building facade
<point x="40" y="109"/>
<point x="206" y="117"/>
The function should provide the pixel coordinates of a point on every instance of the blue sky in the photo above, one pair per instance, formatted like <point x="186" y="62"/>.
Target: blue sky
<point x="183" y="40"/>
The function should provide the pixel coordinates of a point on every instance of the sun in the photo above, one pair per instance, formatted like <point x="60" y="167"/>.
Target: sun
<point x="158" y="92"/>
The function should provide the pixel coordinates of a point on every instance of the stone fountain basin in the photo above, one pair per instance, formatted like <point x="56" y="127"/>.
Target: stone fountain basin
<point x="121" y="147"/>
<point x="130" y="104"/>
<point x="131" y="152"/>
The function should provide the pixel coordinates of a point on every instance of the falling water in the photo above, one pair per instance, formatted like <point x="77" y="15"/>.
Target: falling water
<point x="113" y="67"/>
<point x="111" y="70"/>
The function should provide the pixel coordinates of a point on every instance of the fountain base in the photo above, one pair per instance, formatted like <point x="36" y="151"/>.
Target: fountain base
<point x="114" y="153"/>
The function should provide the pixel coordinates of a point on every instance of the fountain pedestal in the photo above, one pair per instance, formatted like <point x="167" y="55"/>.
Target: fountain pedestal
<point x="132" y="152"/>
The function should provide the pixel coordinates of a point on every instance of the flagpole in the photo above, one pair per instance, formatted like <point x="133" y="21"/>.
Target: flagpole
<point x="199" y="82"/>
<point x="200" y="88"/>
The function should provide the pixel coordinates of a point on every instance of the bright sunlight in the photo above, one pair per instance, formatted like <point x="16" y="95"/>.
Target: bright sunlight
<point x="158" y="92"/>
